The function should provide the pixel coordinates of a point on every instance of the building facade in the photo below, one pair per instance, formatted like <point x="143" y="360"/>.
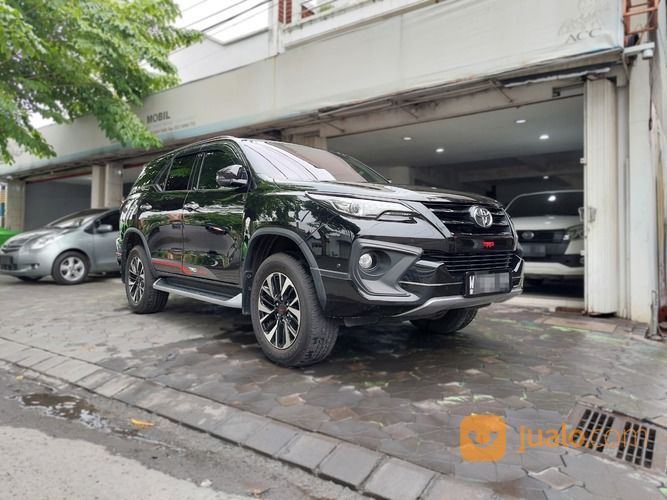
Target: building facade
<point x="481" y="95"/>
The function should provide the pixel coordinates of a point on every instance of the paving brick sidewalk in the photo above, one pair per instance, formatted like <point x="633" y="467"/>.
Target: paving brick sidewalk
<point x="383" y="413"/>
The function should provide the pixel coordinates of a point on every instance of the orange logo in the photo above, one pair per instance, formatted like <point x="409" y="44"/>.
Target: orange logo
<point x="483" y="438"/>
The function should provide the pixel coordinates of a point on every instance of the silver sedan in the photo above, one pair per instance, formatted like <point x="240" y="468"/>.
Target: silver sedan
<point x="68" y="248"/>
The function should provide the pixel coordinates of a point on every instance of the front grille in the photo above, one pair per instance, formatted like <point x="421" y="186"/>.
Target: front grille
<point x="456" y="216"/>
<point x="528" y="236"/>
<point x="11" y="247"/>
<point x="7" y="263"/>
<point x="466" y="262"/>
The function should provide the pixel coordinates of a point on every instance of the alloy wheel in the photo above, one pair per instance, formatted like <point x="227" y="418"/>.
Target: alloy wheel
<point x="279" y="310"/>
<point x="136" y="279"/>
<point x="72" y="268"/>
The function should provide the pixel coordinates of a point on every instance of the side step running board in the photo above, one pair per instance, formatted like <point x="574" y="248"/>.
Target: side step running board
<point x="206" y="296"/>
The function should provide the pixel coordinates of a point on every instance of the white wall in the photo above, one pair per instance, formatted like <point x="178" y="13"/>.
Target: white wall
<point x="446" y="42"/>
<point x="211" y="57"/>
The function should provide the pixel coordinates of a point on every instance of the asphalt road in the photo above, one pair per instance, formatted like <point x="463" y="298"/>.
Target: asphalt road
<point x="65" y="443"/>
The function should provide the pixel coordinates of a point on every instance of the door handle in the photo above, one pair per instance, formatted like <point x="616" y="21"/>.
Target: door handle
<point x="191" y="206"/>
<point x="145" y="207"/>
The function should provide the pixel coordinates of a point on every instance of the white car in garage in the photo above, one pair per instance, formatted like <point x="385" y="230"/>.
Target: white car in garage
<point x="550" y="232"/>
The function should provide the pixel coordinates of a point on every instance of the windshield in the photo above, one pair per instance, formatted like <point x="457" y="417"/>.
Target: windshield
<point x="291" y="162"/>
<point x="76" y="219"/>
<point x="539" y="204"/>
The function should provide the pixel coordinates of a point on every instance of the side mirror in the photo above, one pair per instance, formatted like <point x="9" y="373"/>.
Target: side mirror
<point x="104" y="228"/>
<point x="233" y="175"/>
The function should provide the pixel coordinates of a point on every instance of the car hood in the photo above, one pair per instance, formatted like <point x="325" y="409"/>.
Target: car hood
<point x="545" y="222"/>
<point x="28" y="236"/>
<point x="420" y="194"/>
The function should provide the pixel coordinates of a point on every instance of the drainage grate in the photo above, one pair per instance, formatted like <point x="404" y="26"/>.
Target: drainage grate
<point x="595" y="426"/>
<point x="638" y="445"/>
<point x="618" y="436"/>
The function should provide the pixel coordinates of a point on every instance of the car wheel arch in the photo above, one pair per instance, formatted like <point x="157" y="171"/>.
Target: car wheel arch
<point x="132" y="238"/>
<point x="267" y="241"/>
<point x="77" y="250"/>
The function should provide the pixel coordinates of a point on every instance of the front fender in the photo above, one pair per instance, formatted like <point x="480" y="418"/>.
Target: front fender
<point x="254" y="248"/>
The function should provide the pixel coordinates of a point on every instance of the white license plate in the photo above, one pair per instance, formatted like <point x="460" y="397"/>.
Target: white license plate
<point x="534" y="250"/>
<point x="487" y="283"/>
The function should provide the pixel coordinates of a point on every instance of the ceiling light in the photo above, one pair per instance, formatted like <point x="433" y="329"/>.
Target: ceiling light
<point x="440" y="150"/>
<point x="546" y="177"/>
<point x="520" y="121"/>
<point x="407" y="138"/>
<point x="544" y="137"/>
<point x="552" y="198"/>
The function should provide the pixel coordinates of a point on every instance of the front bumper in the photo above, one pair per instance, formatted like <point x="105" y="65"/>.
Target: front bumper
<point x="26" y="263"/>
<point x="554" y="270"/>
<point x="436" y="305"/>
<point x="411" y="284"/>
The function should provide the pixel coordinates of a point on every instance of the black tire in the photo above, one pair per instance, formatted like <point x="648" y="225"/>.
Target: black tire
<point x="452" y="322"/>
<point x="70" y="268"/>
<point x="315" y="333"/>
<point x="29" y="279"/>
<point x="141" y="296"/>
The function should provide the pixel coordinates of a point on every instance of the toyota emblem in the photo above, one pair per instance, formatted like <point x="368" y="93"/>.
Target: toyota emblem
<point x="482" y="216"/>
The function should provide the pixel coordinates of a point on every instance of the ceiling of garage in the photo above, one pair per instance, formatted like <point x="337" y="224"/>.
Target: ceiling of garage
<point x="478" y="137"/>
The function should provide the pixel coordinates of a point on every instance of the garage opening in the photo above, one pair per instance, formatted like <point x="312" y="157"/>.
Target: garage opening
<point x="50" y="199"/>
<point x="530" y="154"/>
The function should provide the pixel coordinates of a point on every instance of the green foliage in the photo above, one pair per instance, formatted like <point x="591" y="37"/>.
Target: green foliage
<point x="64" y="59"/>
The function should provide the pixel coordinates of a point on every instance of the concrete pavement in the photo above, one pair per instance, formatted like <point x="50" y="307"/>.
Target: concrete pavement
<point x="388" y="404"/>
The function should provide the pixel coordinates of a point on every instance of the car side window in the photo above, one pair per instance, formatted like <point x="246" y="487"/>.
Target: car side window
<point x="179" y="174"/>
<point x="112" y="218"/>
<point x="151" y="172"/>
<point x="214" y="161"/>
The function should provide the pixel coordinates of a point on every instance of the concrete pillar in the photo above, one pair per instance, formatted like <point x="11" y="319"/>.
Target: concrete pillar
<point x="15" y="206"/>
<point x="97" y="186"/>
<point x="641" y="196"/>
<point x="601" y="198"/>
<point x="113" y="185"/>
<point x="399" y="175"/>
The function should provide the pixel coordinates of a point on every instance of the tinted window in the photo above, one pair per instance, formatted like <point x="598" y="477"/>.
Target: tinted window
<point x="179" y="175"/>
<point x="214" y="161"/>
<point x="112" y="218"/>
<point x="539" y="204"/>
<point x="76" y="219"/>
<point x="150" y="172"/>
<point x="292" y="162"/>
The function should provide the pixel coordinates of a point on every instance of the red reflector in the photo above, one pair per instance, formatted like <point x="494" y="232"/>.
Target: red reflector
<point x="488" y="244"/>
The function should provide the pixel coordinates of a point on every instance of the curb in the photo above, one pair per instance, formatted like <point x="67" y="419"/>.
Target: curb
<point x="364" y="470"/>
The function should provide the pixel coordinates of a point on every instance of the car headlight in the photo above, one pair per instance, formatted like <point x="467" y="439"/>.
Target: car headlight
<point x="359" y="207"/>
<point x="574" y="233"/>
<point x="42" y="241"/>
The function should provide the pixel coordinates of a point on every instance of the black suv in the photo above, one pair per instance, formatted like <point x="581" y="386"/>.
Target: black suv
<point x="304" y="240"/>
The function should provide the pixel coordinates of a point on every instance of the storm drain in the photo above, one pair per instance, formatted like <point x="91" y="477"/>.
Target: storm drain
<point x="594" y="427"/>
<point x="639" y="448"/>
<point x="620" y="437"/>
